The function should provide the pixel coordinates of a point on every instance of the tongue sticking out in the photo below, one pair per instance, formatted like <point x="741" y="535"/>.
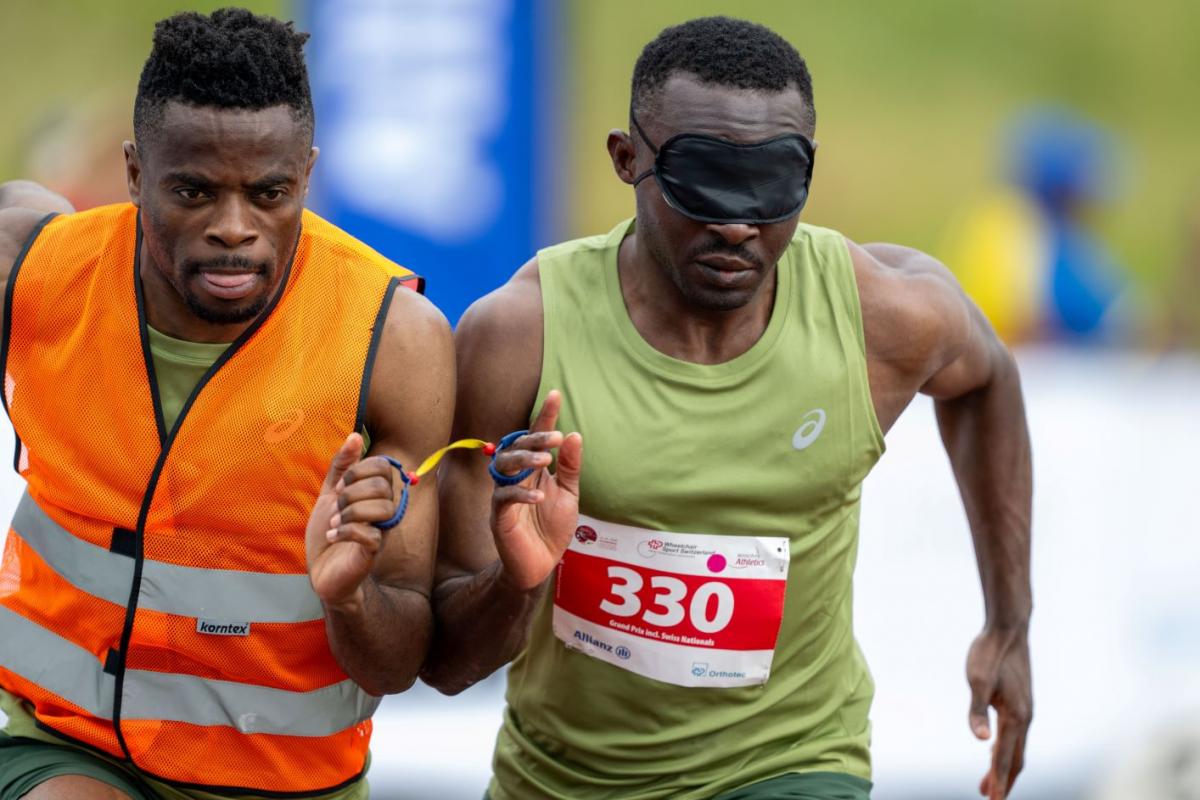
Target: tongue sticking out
<point x="229" y="281"/>
<point x="230" y="286"/>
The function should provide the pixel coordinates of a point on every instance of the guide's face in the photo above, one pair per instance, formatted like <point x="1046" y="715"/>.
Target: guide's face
<point x="221" y="193"/>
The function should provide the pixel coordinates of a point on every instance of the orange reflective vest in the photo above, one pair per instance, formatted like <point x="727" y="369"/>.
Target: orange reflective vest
<point x="154" y="597"/>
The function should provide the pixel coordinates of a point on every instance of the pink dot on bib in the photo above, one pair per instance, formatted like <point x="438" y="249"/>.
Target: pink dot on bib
<point x="716" y="563"/>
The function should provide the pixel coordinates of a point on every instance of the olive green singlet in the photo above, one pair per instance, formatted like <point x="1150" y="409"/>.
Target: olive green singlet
<point x="773" y="444"/>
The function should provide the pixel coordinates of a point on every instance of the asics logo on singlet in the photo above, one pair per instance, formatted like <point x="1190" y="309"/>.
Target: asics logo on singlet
<point x="810" y="428"/>
<point x="285" y="427"/>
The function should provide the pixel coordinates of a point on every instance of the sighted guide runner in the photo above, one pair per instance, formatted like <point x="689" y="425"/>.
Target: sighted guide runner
<point x="194" y="602"/>
<point x="677" y="605"/>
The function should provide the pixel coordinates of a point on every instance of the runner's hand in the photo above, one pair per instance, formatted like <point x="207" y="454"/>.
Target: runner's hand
<point x="533" y="521"/>
<point x="999" y="675"/>
<point x="342" y="540"/>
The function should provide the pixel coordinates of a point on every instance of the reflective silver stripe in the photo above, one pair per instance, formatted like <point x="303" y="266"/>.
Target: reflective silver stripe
<point x="248" y="708"/>
<point x="76" y="675"/>
<point x="93" y="569"/>
<point x="45" y="658"/>
<point x="185" y="591"/>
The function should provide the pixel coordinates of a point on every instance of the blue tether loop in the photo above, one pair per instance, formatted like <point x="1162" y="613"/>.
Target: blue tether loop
<point x="499" y="477"/>
<point x="402" y="506"/>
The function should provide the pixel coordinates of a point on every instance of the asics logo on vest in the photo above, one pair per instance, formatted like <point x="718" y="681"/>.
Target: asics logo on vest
<point x="285" y="427"/>
<point x="810" y="428"/>
<point x="222" y="628"/>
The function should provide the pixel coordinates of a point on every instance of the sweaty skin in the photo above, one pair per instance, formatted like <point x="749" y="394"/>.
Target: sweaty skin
<point x="922" y="336"/>
<point x="221" y="194"/>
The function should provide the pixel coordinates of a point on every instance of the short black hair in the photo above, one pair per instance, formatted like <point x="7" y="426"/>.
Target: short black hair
<point x="231" y="59"/>
<point x="722" y="51"/>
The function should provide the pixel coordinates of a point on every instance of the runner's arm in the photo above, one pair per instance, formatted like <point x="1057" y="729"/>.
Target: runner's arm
<point x="381" y="633"/>
<point x="23" y="204"/>
<point x="925" y="335"/>
<point x="482" y="616"/>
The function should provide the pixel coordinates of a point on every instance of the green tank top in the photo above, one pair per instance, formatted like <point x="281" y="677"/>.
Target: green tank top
<point x="773" y="444"/>
<point x="178" y="367"/>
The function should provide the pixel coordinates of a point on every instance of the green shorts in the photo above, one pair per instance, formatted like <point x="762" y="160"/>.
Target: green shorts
<point x="801" y="786"/>
<point x="26" y="763"/>
<point x="805" y="786"/>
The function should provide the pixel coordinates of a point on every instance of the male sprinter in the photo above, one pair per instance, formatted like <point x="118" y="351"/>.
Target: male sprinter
<point x="732" y="374"/>
<point x="179" y="372"/>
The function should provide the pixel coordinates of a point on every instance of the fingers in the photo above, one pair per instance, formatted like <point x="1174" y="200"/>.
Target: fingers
<point x="1002" y="761"/>
<point x="505" y="495"/>
<point x="1008" y="755"/>
<point x="1018" y="762"/>
<point x="570" y="462"/>
<point x="372" y="467"/>
<point x="363" y="534"/>
<point x="548" y="416"/>
<point x="367" y="511"/>
<point x="366" y="493"/>
<point x="981" y="693"/>
<point x="346" y="456"/>
<point x="373" y="487"/>
<point x="512" y="461"/>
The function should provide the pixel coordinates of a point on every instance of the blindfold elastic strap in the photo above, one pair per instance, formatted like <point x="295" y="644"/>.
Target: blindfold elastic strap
<point x="650" y="144"/>
<point x="642" y="133"/>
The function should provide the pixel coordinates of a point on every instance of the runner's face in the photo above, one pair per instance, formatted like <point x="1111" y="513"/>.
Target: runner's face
<point x="221" y="192"/>
<point x="715" y="267"/>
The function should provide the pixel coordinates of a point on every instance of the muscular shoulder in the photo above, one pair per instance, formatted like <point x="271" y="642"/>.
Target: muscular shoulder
<point x="414" y="324"/>
<point x="16" y="226"/>
<point x="23" y="204"/>
<point x="916" y="319"/>
<point x="499" y="349"/>
<point x="412" y="377"/>
<point x="506" y="323"/>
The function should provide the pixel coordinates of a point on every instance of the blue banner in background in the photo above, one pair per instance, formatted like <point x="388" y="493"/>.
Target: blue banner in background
<point x="434" y="124"/>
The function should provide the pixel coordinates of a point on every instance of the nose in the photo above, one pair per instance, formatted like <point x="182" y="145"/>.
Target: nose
<point x="735" y="233"/>
<point x="232" y="224"/>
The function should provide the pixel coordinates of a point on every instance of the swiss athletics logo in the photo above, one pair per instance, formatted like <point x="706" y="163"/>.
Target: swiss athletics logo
<point x="810" y="428"/>
<point x="214" y="628"/>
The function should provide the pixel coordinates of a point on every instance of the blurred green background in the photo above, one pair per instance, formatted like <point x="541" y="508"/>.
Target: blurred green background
<point x="912" y="101"/>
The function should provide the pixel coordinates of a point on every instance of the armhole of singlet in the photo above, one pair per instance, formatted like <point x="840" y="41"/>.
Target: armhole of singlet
<point x="854" y="309"/>
<point x="549" y="339"/>
<point x="6" y="336"/>
<point x="364" y="391"/>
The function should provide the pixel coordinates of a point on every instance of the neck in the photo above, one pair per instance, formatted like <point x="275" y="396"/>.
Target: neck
<point x="675" y="327"/>
<point x="167" y="312"/>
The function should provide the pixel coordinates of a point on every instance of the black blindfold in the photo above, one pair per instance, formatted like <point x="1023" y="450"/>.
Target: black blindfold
<point x="714" y="180"/>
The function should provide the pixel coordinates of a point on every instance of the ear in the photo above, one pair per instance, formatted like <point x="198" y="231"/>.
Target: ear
<point x="621" y="151"/>
<point x="312" y="159"/>
<point x="133" y="172"/>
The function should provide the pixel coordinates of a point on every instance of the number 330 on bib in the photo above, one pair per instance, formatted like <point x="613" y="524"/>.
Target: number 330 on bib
<point x="684" y="608"/>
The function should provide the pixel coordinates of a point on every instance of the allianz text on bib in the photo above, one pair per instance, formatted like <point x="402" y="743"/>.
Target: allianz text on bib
<point x="692" y="609"/>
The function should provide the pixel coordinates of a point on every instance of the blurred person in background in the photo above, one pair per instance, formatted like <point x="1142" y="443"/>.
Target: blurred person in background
<point x="732" y="373"/>
<point x="1029" y="255"/>
<point x="193" y="599"/>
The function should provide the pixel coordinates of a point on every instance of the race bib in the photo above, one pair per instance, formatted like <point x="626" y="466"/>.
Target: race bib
<point x="690" y="609"/>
